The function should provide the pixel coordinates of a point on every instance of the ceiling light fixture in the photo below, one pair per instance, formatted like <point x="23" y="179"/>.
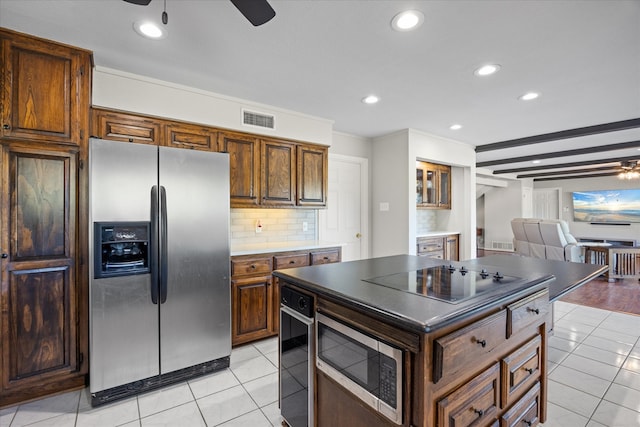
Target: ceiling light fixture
<point x="149" y="30"/>
<point x="371" y="99"/>
<point x="455" y="127"/>
<point x="630" y="170"/>
<point x="407" y="20"/>
<point x="487" y="70"/>
<point x="529" y="96"/>
<point x="535" y="162"/>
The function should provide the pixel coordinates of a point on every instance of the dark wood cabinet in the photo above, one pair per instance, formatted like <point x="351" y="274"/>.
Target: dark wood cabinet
<point x="42" y="350"/>
<point x="446" y="247"/>
<point x="45" y="93"/>
<point x="312" y="175"/>
<point x="46" y="90"/>
<point x="191" y="136"/>
<point x="125" y="127"/>
<point x="244" y="167"/>
<point x="433" y="185"/>
<point x="278" y="173"/>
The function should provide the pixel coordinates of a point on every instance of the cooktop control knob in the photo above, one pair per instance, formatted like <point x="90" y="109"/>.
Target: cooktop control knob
<point x="451" y="268"/>
<point x="484" y="273"/>
<point x="498" y="276"/>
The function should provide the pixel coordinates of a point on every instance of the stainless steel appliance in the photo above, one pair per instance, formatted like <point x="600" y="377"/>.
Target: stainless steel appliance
<point x="364" y="365"/>
<point x="159" y="276"/>
<point x="296" y="357"/>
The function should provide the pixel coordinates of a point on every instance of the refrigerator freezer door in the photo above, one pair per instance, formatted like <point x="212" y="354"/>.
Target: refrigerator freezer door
<point x="124" y="336"/>
<point x="195" y="319"/>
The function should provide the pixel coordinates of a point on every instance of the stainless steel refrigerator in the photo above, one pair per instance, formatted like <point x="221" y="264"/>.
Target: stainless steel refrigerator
<point x="159" y="266"/>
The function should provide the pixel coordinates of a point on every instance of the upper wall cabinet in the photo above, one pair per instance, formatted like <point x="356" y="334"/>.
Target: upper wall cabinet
<point x="46" y="88"/>
<point x="244" y="167"/>
<point x="125" y="127"/>
<point x="433" y="185"/>
<point x="312" y="175"/>
<point x="278" y="173"/>
<point x="183" y="135"/>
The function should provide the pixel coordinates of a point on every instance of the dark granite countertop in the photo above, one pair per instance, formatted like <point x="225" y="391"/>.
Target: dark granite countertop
<point x="347" y="282"/>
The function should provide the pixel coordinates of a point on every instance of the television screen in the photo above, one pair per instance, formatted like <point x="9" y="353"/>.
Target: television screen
<point x="607" y="206"/>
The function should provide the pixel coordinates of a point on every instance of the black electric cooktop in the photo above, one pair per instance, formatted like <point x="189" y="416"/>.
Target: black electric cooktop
<point x="448" y="283"/>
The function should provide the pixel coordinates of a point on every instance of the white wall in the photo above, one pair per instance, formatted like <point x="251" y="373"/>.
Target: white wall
<point x="501" y="206"/>
<point x="140" y="94"/>
<point x="585" y="229"/>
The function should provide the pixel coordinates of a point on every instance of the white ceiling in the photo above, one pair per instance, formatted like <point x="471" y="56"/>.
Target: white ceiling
<point x="322" y="57"/>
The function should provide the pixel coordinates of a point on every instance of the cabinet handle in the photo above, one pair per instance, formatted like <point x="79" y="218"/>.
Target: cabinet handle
<point x="529" y="370"/>
<point x="534" y="310"/>
<point x="325" y="258"/>
<point x="529" y="423"/>
<point x="483" y="343"/>
<point x="4" y="255"/>
<point x="253" y="266"/>
<point x="6" y="126"/>
<point x="480" y="412"/>
<point x="292" y="262"/>
<point x="130" y="139"/>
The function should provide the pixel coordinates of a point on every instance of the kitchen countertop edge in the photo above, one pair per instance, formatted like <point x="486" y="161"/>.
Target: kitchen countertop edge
<point x="273" y="247"/>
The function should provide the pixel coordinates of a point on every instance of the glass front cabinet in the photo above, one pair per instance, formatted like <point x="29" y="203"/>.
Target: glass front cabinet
<point x="433" y="185"/>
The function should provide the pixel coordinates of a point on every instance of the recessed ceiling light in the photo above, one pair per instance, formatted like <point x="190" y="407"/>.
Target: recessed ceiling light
<point x="149" y="30"/>
<point x="529" y="96"/>
<point x="535" y="162"/>
<point x="371" y="99"/>
<point x="407" y="20"/>
<point x="487" y="70"/>
<point x="455" y="127"/>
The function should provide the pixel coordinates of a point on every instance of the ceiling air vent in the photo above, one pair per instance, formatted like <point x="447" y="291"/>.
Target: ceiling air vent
<point x="262" y="120"/>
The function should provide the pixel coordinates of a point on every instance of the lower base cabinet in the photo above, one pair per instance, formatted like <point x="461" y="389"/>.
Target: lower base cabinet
<point x="255" y="293"/>
<point x="441" y="247"/>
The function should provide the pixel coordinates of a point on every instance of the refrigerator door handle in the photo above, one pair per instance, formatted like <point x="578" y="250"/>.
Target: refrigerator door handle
<point x="163" y="245"/>
<point x="154" y="244"/>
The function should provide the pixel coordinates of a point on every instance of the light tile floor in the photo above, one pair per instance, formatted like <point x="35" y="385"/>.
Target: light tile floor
<point x="594" y="380"/>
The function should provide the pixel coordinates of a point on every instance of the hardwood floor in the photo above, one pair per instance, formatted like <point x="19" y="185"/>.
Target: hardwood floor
<point x="623" y="295"/>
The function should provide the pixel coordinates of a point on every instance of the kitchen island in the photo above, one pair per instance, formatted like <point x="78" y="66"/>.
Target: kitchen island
<point x="472" y="338"/>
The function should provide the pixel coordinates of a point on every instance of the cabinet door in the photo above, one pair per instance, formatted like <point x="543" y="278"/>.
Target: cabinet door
<point x="125" y="127"/>
<point x="312" y="175"/>
<point x="444" y="187"/>
<point x="190" y="136"/>
<point x="278" y="173"/>
<point x="39" y="296"/>
<point x="46" y="90"/>
<point x="244" y="167"/>
<point x="251" y="309"/>
<point x="451" y="247"/>
<point x="426" y="184"/>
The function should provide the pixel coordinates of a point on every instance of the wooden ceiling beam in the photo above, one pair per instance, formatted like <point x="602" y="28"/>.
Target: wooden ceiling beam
<point x="561" y="165"/>
<point x="564" y="134"/>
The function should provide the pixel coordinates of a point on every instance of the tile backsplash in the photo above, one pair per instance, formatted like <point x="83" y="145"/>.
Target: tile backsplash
<point x="278" y="225"/>
<point x="426" y="221"/>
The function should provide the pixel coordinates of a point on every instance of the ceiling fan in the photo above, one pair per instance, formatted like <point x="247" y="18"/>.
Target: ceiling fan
<point x="257" y="12"/>
<point x="630" y="169"/>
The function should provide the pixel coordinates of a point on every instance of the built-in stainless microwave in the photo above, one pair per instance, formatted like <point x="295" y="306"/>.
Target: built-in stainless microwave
<point x="364" y="365"/>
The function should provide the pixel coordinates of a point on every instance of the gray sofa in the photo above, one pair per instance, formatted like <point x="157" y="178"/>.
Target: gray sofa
<point x="546" y="239"/>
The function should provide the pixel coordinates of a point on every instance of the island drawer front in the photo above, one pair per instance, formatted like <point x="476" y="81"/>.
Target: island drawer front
<point x="520" y="369"/>
<point x="474" y="403"/>
<point x="524" y="312"/>
<point x="325" y="257"/>
<point x="525" y="412"/>
<point x="244" y="267"/>
<point x="467" y="346"/>
<point x="290" y="261"/>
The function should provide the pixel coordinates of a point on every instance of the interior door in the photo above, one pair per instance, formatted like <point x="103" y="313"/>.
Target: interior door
<point x="124" y="336"/>
<point x="345" y="219"/>
<point x="195" y="318"/>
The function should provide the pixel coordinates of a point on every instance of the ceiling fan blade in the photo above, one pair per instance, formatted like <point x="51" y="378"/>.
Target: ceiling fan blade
<point x="139" y="2"/>
<point x="256" y="11"/>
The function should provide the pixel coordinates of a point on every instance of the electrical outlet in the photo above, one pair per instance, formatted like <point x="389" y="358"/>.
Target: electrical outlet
<point x="305" y="226"/>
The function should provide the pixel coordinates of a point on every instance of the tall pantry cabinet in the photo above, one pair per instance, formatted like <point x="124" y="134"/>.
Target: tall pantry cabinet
<point x="44" y="105"/>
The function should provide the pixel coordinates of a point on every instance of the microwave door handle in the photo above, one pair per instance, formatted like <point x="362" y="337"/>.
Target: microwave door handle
<point x="164" y="268"/>
<point x="154" y="244"/>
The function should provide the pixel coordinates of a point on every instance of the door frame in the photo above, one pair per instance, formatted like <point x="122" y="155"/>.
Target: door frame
<point x="365" y="232"/>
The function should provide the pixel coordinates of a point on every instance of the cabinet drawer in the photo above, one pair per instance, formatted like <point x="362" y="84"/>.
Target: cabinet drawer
<point x="475" y="403"/>
<point x="187" y="136"/>
<point x="244" y="267"/>
<point x="526" y="412"/>
<point x="520" y="369"/>
<point x="125" y="127"/>
<point x="325" y="257"/>
<point x="527" y="311"/>
<point x="428" y="245"/>
<point x="467" y="346"/>
<point x="290" y="261"/>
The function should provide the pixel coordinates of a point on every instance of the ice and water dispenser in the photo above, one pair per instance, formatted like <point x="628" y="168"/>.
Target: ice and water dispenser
<point x="121" y="248"/>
